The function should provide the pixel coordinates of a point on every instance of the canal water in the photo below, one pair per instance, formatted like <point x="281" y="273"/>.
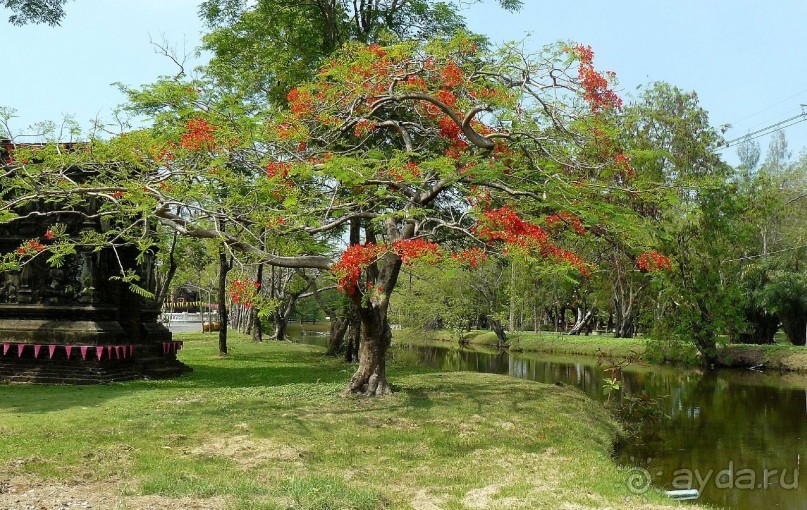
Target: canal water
<point x="736" y="435"/>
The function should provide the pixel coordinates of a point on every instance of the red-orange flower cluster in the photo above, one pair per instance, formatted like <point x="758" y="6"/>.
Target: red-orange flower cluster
<point x="566" y="218"/>
<point x="624" y="166"/>
<point x="355" y="259"/>
<point x="300" y="101"/>
<point x="595" y="86"/>
<point x="278" y="169"/>
<point x="472" y="257"/>
<point x="411" y="249"/>
<point x="504" y="224"/>
<point x="243" y="292"/>
<point x="452" y="74"/>
<point x="31" y="247"/>
<point x="198" y="135"/>
<point x="651" y="261"/>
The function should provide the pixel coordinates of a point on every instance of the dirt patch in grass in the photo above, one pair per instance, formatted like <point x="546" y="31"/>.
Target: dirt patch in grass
<point x="424" y="501"/>
<point x="246" y="451"/>
<point x="22" y="494"/>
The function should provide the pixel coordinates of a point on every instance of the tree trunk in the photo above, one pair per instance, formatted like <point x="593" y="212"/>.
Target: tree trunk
<point x="624" y="317"/>
<point x="512" y="322"/>
<point x="257" y="329"/>
<point x="224" y="268"/>
<point x="164" y="287"/>
<point x="501" y="335"/>
<point x="281" y="323"/>
<point x="583" y="321"/>
<point x="353" y="336"/>
<point x="704" y="336"/>
<point x="370" y="378"/>
<point x="336" y="342"/>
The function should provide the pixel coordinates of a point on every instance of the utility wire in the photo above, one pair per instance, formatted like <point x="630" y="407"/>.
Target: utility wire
<point x="778" y="126"/>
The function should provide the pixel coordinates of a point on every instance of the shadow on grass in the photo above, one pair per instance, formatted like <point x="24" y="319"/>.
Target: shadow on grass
<point x="247" y="369"/>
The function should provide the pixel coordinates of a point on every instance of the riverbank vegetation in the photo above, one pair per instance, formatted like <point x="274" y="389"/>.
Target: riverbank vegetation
<point x="780" y="357"/>
<point x="265" y="428"/>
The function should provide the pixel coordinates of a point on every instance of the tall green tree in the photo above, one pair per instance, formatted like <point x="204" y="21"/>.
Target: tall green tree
<point x="35" y="11"/>
<point x="264" y="49"/>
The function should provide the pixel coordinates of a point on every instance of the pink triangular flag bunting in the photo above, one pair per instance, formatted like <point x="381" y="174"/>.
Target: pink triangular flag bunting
<point x="37" y="348"/>
<point x="109" y="351"/>
<point x="99" y="352"/>
<point x="84" y="351"/>
<point x="51" y="350"/>
<point x="131" y="351"/>
<point x="20" y="348"/>
<point x="6" y="347"/>
<point x="68" y="349"/>
<point x="119" y="351"/>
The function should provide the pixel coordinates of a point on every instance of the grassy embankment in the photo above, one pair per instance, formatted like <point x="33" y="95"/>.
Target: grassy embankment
<point x="782" y="357"/>
<point x="264" y="428"/>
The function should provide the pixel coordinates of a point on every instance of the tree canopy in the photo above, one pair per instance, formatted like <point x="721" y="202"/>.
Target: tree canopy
<point x="35" y="11"/>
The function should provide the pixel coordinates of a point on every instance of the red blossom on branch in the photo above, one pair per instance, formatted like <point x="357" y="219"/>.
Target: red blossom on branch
<point x="412" y="249"/>
<point x="652" y="261"/>
<point x="278" y="169"/>
<point x="505" y="225"/>
<point x="353" y="261"/>
<point x="624" y="166"/>
<point x="452" y="74"/>
<point x="596" y="88"/>
<point x="198" y="135"/>
<point x="566" y="218"/>
<point x="243" y="292"/>
<point x="473" y="257"/>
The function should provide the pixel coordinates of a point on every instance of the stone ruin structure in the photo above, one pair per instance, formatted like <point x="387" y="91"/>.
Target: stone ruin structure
<point x="73" y="324"/>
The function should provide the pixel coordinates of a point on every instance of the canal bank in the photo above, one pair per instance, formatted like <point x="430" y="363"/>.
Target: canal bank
<point x="780" y="358"/>
<point x="736" y="435"/>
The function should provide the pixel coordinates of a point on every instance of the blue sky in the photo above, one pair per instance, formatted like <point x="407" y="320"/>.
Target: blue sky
<point x="745" y="59"/>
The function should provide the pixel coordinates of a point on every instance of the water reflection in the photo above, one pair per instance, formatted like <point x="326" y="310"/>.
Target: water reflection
<point x="736" y="435"/>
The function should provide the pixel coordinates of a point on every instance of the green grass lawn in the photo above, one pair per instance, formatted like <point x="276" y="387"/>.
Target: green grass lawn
<point x="264" y="428"/>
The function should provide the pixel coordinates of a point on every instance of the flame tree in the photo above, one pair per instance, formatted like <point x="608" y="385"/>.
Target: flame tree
<point x="437" y="150"/>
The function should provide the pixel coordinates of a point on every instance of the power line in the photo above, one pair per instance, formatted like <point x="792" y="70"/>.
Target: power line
<point x="769" y="107"/>
<point x="767" y="130"/>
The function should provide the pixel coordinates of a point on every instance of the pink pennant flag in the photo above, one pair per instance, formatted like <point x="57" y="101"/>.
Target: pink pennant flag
<point x="119" y="351"/>
<point x="165" y="347"/>
<point x="99" y="352"/>
<point x="51" y="350"/>
<point x="37" y="348"/>
<point x="6" y="347"/>
<point x="131" y="351"/>
<point x="68" y="349"/>
<point x="84" y="351"/>
<point x="109" y="351"/>
<point x="20" y="348"/>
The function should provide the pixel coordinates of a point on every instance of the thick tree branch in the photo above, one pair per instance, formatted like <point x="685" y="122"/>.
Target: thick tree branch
<point x="166" y="217"/>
